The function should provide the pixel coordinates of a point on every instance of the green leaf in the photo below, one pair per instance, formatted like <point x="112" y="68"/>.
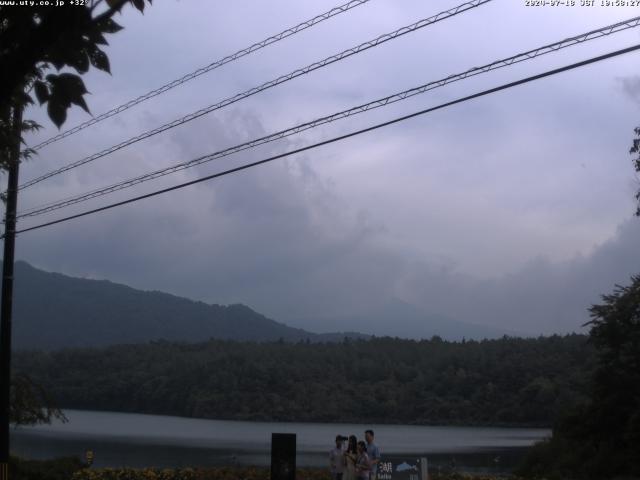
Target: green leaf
<point x="57" y="112"/>
<point x="73" y="88"/>
<point x="139" y="4"/>
<point x="71" y="83"/>
<point x="66" y="88"/>
<point x="96" y="38"/>
<point x="27" y="153"/>
<point x="109" y="26"/>
<point x="79" y="100"/>
<point x="42" y="91"/>
<point x="30" y="126"/>
<point x="100" y="60"/>
<point x="79" y="60"/>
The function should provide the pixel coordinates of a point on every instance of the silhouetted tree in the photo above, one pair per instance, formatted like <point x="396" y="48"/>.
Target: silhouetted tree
<point x="37" y="40"/>
<point x="615" y="411"/>
<point x="635" y="149"/>
<point x="31" y="404"/>
<point x="601" y="437"/>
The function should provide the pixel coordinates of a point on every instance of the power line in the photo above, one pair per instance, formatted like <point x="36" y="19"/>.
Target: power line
<point x="528" y="55"/>
<point x="342" y="137"/>
<point x="201" y="71"/>
<point x="272" y="83"/>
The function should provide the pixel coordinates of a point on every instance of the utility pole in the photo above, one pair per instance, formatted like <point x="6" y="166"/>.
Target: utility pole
<point x="6" y="302"/>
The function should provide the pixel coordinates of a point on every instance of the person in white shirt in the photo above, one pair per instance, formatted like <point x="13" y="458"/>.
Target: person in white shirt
<point x="336" y="459"/>
<point x="350" y="457"/>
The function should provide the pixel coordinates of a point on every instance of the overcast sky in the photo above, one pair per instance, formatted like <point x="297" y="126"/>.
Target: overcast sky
<point x="513" y="210"/>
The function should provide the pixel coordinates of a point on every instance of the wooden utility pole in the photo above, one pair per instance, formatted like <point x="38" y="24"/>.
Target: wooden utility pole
<point x="6" y="303"/>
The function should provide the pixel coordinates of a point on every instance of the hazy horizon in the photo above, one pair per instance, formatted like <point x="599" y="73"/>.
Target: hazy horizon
<point x="370" y="320"/>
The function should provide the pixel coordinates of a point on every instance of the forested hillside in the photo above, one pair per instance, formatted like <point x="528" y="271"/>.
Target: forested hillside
<point x="495" y="382"/>
<point x="55" y="311"/>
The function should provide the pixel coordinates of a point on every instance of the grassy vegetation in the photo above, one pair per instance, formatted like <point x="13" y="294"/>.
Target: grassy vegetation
<point x="56" y="469"/>
<point x="74" y="469"/>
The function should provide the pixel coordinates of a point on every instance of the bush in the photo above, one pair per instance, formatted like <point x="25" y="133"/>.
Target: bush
<point x="56" y="469"/>
<point x="217" y="473"/>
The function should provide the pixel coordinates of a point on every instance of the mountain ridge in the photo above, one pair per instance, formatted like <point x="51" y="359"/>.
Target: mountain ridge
<point x="53" y="310"/>
<point x="93" y="313"/>
<point x="409" y="322"/>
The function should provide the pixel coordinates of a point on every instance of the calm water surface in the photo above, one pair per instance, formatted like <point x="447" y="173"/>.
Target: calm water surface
<point x="124" y="439"/>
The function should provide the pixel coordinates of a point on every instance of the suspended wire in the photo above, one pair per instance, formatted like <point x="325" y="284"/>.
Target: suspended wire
<point x="342" y="137"/>
<point x="201" y="71"/>
<point x="520" y="57"/>
<point x="272" y="83"/>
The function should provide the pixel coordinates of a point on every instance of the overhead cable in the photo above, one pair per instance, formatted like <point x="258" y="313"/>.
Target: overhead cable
<point x="339" y="138"/>
<point x="396" y="97"/>
<point x="272" y="83"/>
<point x="201" y="71"/>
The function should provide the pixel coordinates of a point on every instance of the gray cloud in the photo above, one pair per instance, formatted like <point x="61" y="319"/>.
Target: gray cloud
<point x="284" y="240"/>
<point x="542" y="297"/>
<point x="631" y="87"/>
<point x="502" y="211"/>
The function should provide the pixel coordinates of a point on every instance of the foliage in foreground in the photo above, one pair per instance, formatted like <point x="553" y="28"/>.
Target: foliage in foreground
<point x="30" y="404"/>
<point x="209" y="473"/>
<point x="229" y="473"/>
<point x="57" y="469"/>
<point x="73" y="469"/>
<point x="601" y="438"/>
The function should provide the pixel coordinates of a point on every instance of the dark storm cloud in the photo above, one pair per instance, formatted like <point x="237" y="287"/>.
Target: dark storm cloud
<point x="501" y="211"/>
<point x="263" y="237"/>
<point x="281" y="239"/>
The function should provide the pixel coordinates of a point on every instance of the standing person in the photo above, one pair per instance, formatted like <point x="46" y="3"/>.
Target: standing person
<point x="363" y="464"/>
<point x="336" y="459"/>
<point x="373" y="452"/>
<point x="350" y="458"/>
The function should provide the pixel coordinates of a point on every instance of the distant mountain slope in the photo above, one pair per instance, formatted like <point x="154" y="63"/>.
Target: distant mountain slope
<point x="53" y="311"/>
<point x="396" y="318"/>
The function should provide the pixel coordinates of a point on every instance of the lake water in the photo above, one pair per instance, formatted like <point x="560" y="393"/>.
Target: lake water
<point x="135" y="440"/>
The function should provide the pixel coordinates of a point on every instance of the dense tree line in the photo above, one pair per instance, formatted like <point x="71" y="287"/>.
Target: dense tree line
<point x="510" y="381"/>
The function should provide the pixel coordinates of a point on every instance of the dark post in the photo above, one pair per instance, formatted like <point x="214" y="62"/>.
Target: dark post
<point x="7" y="292"/>
<point x="283" y="456"/>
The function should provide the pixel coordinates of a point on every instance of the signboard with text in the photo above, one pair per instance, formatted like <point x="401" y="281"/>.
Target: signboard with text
<point x="402" y="468"/>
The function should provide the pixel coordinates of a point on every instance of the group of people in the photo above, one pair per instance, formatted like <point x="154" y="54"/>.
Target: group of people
<point x="358" y="461"/>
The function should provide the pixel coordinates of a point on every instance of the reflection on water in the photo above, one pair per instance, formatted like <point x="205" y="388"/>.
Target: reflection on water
<point x="120" y="439"/>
